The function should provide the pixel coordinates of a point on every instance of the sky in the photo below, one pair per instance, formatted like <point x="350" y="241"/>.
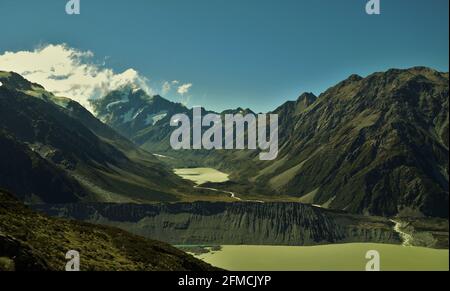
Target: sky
<point x="218" y="54"/>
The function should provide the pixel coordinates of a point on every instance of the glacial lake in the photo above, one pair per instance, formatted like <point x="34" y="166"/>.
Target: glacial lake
<point x="202" y="175"/>
<point x="342" y="257"/>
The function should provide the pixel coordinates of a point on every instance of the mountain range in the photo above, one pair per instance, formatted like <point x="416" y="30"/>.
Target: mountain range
<point x="376" y="145"/>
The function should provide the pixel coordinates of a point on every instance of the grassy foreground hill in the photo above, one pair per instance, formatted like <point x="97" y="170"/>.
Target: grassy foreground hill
<point x="30" y="241"/>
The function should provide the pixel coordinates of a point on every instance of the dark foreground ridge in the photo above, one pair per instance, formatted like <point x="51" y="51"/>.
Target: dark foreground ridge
<point x="34" y="242"/>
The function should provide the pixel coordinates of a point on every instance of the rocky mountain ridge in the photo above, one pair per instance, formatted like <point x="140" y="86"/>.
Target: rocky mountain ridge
<point x="375" y="145"/>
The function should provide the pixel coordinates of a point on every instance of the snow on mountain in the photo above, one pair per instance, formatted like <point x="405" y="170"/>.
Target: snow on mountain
<point x="130" y="110"/>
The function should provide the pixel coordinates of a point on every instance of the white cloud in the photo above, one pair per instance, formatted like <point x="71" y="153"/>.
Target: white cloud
<point x="68" y="72"/>
<point x="168" y="86"/>
<point x="184" y="89"/>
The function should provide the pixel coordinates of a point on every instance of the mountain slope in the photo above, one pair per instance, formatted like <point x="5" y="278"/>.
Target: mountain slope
<point x="375" y="145"/>
<point x="108" y="166"/>
<point x="33" y="242"/>
<point x="32" y="178"/>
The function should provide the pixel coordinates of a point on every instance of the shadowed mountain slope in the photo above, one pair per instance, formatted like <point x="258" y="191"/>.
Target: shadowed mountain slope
<point x="108" y="166"/>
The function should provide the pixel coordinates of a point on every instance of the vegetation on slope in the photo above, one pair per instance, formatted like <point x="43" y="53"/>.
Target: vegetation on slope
<point x="34" y="242"/>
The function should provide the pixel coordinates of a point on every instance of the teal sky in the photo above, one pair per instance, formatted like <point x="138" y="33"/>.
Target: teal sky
<point x="248" y="53"/>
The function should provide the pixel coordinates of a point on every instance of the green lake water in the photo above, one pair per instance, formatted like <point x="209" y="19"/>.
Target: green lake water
<point x="202" y="175"/>
<point x="342" y="257"/>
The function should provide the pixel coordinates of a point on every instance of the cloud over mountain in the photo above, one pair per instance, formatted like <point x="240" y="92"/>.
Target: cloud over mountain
<point x="183" y="89"/>
<point x="69" y="72"/>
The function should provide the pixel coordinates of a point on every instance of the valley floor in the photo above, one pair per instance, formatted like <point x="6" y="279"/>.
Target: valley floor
<point x="339" y="257"/>
<point x="203" y="176"/>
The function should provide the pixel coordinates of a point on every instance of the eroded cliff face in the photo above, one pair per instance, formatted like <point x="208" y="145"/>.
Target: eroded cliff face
<point x="234" y="223"/>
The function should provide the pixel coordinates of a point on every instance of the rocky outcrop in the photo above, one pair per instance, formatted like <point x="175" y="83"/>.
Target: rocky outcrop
<point x="17" y="256"/>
